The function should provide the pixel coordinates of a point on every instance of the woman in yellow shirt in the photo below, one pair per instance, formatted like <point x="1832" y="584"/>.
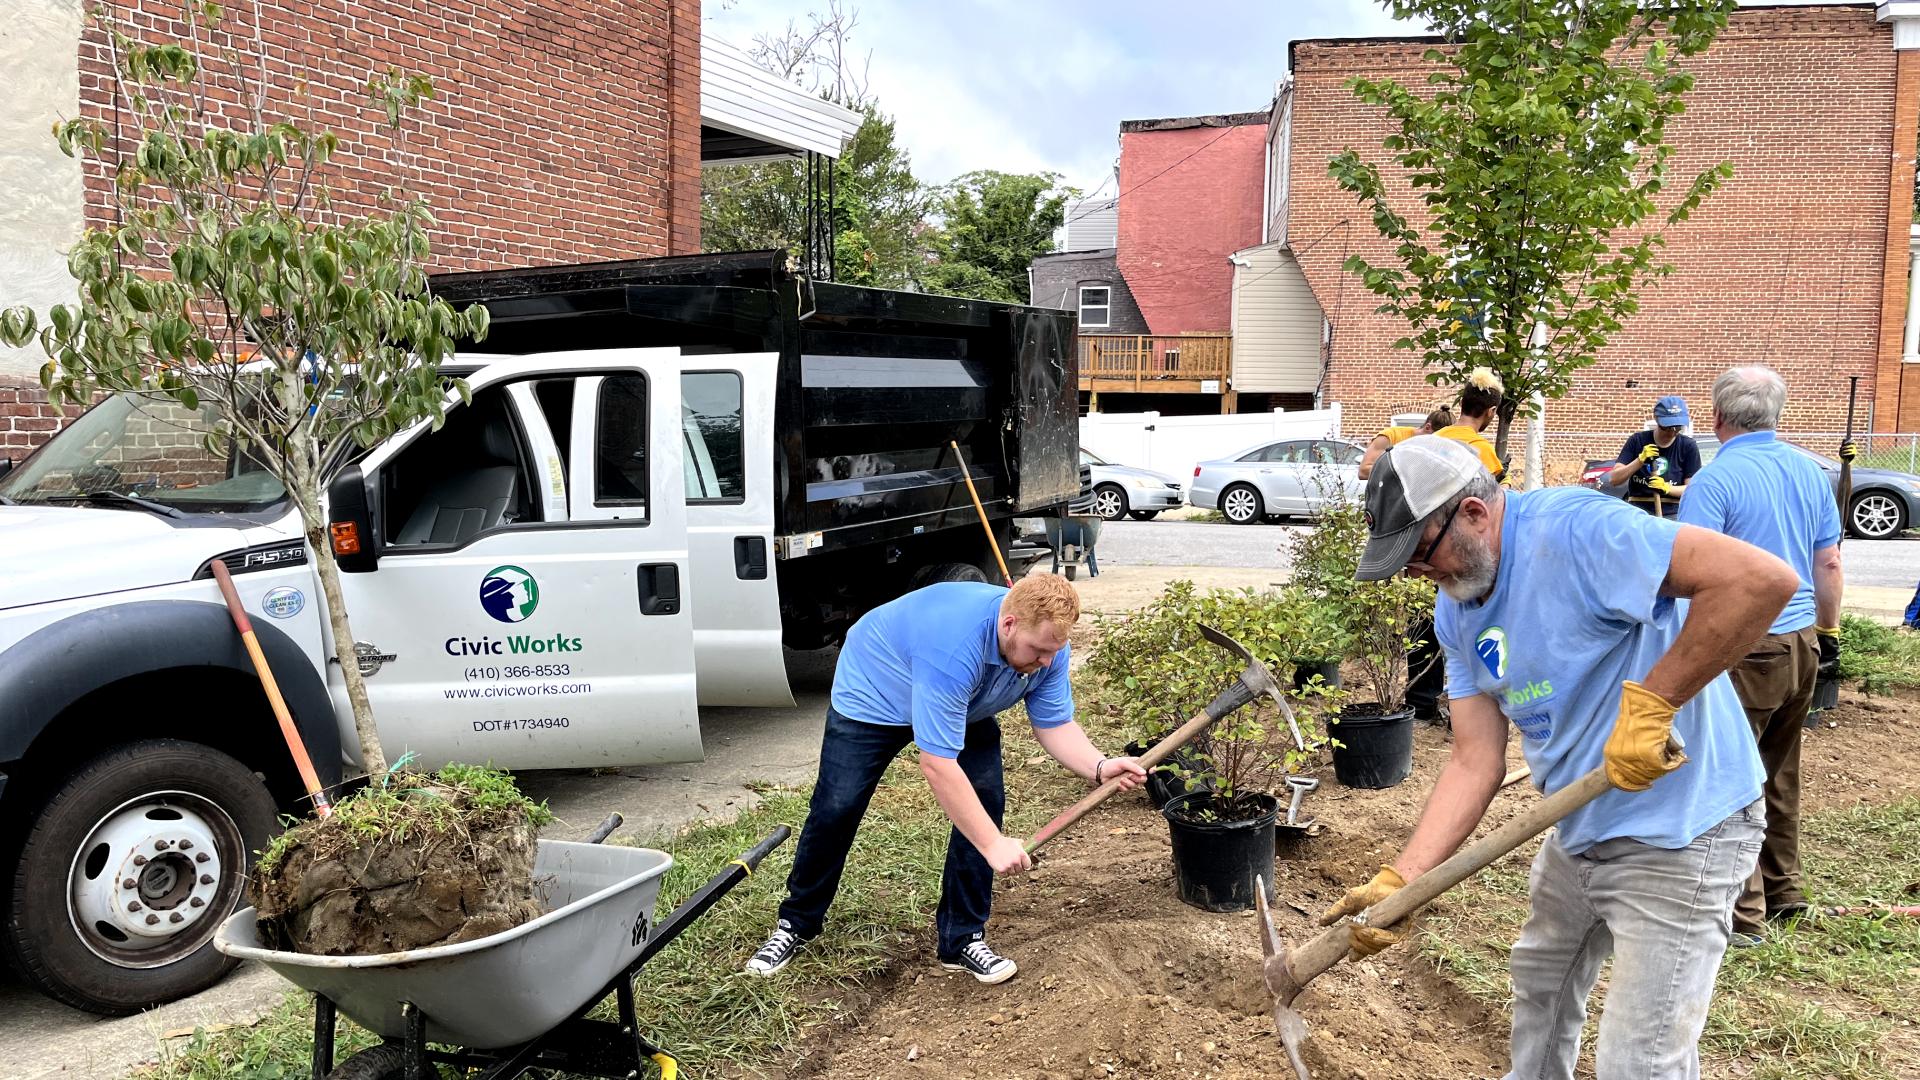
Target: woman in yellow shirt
<point x="1394" y="436"/>
<point x="1479" y="403"/>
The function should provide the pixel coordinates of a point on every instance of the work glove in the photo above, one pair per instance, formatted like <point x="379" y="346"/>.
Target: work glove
<point x="1660" y="484"/>
<point x="1829" y="638"/>
<point x="1636" y="752"/>
<point x="1648" y="453"/>
<point x="1848" y="451"/>
<point x="1367" y="940"/>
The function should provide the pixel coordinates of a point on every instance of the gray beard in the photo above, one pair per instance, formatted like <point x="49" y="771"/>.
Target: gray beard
<point x="1476" y="580"/>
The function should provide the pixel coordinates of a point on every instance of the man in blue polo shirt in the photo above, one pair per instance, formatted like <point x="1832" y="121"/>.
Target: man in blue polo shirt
<point x="935" y="668"/>
<point x="1562" y="614"/>
<point x="1776" y="498"/>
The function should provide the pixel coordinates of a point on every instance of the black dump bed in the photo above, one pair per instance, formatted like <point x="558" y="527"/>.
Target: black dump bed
<point x="873" y="383"/>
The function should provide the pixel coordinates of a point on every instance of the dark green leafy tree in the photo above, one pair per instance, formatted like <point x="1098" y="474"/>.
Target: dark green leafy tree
<point x="1541" y="180"/>
<point x="230" y="281"/>
<point x="992" y="225"/>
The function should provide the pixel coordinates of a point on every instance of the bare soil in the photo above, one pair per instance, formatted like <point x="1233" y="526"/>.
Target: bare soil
<point x="1118" y="978"/>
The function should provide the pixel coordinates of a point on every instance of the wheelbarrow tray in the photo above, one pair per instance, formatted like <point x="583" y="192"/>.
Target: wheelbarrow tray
<point x="500" y="990"/>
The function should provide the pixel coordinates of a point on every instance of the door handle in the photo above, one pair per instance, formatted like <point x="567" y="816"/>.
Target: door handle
<point x="750" y="558"/>
<point x="659" y="589"/>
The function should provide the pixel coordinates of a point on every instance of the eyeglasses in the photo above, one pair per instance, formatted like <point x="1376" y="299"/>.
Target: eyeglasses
<point x="1425" y="556"/>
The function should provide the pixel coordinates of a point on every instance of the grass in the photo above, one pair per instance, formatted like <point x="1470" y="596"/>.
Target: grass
<point x="457" y="795"/>
<point x="693" y="999"/>
<point x="1814" y="1003"/>
<point x="1879" y="657"/>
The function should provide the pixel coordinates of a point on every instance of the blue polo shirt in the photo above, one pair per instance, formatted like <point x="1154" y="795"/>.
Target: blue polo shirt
<point x="1576" y="611"/>
<point x="932" y="659"/>
<point x="1776" y="498"/>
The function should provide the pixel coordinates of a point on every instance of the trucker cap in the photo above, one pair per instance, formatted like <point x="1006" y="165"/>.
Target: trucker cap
<point x="1409" y="483"/>
<point x="1671" y="411"/>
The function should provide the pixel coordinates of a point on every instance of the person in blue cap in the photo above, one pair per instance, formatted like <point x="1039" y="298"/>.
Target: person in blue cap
<point x="1656" y="465"/>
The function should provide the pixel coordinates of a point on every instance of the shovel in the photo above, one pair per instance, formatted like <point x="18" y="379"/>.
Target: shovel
<point x="1254" y="681"/>
<point x="1288" y="971"/>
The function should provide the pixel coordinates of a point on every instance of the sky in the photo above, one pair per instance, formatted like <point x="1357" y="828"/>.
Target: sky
<point x="1042" y="85"/>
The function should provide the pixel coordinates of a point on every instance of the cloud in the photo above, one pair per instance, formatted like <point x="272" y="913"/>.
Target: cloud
<point x="1027" y="85"/>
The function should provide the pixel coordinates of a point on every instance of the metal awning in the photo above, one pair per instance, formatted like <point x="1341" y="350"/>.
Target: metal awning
<point x="748" y="114"/>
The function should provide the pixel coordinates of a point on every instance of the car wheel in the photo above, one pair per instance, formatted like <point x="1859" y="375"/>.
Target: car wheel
<point x="1240" y="504"/>
<point x="933" y="573"/>
<point x="1876" y="515"/>
<point x="1110" y="502"/>
<point x="1143" y="515"/>
<point x="125" y="874"/>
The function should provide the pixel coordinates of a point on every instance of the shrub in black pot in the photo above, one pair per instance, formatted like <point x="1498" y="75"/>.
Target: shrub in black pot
<point x="1222" y="845"/>
<point x="1175" y="776"/>
<point x="1373" y="741"/>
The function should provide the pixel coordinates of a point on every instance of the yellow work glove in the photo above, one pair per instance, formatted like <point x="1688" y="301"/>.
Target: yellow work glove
<point x="1848" y="451"/>
<point x="1636" y="752"/>
<point x="1367" y="940"/>
<point x="1648" y="453"/>
<point x="1661" y="485"/>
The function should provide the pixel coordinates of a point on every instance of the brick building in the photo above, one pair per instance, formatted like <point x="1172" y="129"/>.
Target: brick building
<point x="561" y="130"/>
<point x="1801" y="261"/>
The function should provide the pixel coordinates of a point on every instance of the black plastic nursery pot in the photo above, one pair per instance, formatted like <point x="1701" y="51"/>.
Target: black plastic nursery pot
<point x="1215" y="862"/>
<point x="1376" y="749"/>
<point x="1162" y="784"/>
<point x="1305" y="670"/>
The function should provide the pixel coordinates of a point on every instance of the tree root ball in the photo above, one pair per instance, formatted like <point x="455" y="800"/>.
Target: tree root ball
<point x="416" y="862"/>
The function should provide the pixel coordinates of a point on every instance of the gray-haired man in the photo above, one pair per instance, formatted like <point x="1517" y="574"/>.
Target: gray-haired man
<point x="1558" y="615"/>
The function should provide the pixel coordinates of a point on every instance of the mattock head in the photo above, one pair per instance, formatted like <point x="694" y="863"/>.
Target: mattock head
<point x="1288" y="1022"/>
<point x="1257" y="679"/>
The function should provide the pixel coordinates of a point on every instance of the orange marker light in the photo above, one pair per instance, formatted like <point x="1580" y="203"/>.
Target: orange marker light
<point x="346" y="537"/>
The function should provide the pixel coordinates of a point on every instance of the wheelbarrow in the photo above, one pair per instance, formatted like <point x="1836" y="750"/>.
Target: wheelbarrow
<point x="1073" y="539"/>
<point x="501" y="1005"/>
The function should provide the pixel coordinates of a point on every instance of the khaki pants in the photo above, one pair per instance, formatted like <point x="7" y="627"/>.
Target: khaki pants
<point x="1775" y="682"/>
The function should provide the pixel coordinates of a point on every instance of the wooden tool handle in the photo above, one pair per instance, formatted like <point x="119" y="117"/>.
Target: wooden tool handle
<point x="1328" y="949"/>
<point x="1162" y="750"/>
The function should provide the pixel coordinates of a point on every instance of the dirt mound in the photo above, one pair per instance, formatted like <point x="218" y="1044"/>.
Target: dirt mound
<point x="417" y="863"/>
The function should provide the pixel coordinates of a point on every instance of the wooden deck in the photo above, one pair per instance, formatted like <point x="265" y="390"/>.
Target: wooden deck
<point x="1173" y="364"/>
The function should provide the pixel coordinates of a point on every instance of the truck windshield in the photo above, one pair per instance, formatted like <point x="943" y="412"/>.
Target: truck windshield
<point x="135" y="449"/>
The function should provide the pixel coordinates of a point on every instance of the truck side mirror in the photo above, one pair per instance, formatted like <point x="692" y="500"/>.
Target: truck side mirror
<point x="350" y="524"/>
<point x="6" y="466"/>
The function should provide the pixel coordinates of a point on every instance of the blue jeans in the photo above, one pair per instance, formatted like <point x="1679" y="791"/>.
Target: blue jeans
<point x="1912" y="617"/>
<point x="1664" y="915"/>
<point x="853" y="756"/>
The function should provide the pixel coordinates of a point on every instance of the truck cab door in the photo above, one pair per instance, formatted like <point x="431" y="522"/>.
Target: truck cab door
<point x="498" y="625"/>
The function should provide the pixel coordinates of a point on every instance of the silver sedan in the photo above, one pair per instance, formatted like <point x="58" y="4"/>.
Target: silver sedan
<point x="1293" y="477"/>
<point x="1123" y="490"/>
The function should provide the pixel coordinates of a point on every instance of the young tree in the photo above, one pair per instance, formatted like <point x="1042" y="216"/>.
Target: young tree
<point x="229" y="280"/>
<point x="992" y="225"/>
<point x="1537" y="158"/>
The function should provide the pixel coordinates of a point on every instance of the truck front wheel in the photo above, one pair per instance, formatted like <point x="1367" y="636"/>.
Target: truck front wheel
<point x="934" y="573"/>
<point x="126" y="872"/>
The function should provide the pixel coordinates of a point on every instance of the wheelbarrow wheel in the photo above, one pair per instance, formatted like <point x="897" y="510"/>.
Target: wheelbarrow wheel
<point x="388" y="1061"/>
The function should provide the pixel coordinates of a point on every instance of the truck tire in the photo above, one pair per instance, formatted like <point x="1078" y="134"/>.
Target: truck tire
<point x="1110" y="502"/>
<point x="1143" y="515"/>
<point x="1241" y="504"/>
<point x="126" y="872"/>
<point x="933" y="573"/>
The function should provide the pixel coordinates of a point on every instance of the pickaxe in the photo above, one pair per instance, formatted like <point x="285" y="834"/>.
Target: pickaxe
<point x="1288" y="971"/>
<point x="1254" y="681"/>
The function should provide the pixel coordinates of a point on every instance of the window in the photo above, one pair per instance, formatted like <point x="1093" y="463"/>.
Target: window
<point x="470" y="477"/>
<point x="710" y="428"/>
<point x="620" y="442"/>
<point x="1088" y="457"/>
<point x="1096" y="307"/>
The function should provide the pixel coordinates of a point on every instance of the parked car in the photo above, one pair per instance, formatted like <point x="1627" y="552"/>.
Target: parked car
<point x="1123" y="490"/>
<point x="1276" y="480"/>
<point x="1883" y="504"/>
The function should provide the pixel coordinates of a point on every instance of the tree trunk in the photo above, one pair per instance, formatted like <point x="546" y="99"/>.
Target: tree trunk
<point x="372" y="756"/>
<point x="1504" y="411"/>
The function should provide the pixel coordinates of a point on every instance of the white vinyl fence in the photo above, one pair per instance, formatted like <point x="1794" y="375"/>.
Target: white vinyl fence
<point x="1175" y="444"/>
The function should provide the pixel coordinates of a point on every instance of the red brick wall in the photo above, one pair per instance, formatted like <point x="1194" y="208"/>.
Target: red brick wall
<point x="1898" y="383"/>
<point x="26" y="420"/>
<point x="1785" y="265"/>
<point x="1189" y="198"/>
<point x="561" y="130"/>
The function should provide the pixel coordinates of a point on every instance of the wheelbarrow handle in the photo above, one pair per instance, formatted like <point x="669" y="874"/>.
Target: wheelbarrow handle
<point x="707" y="895"/>
<point x="603" y="830"/>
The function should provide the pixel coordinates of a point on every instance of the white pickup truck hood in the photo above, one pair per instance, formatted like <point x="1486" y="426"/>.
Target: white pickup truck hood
<point x="59" y="553"/>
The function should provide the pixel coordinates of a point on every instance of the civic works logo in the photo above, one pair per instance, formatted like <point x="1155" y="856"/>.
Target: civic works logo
<point x="509" y="594"/>
<point x="1491" y="647"/>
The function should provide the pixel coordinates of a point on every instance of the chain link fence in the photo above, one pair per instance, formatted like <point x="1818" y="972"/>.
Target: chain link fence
<point x="1564" y="454"/>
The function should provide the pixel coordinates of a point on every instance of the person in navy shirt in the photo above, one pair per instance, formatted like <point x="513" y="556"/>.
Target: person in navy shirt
<point x="1595" y="631"/>
<point x="1659" y="462"/>
<point x="1765" y="492"/>
<point x="935" y="668"/>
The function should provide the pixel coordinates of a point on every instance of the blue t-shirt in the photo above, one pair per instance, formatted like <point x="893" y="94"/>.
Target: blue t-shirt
<point x="1576" y="611"/>
<point x="932" y="659"/>
<point x="1776" y="498"/>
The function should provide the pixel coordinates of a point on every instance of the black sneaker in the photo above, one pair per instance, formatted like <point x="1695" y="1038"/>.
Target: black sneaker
<point x="777" y="952"/>
<point x="979" y="960"/>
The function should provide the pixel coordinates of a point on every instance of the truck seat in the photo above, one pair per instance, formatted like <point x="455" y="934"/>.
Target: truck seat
<point x="456" y="508"/>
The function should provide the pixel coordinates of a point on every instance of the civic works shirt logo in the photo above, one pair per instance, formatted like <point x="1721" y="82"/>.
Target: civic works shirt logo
<point x="1491" y="647"/>
<point x="509" y="594"/>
